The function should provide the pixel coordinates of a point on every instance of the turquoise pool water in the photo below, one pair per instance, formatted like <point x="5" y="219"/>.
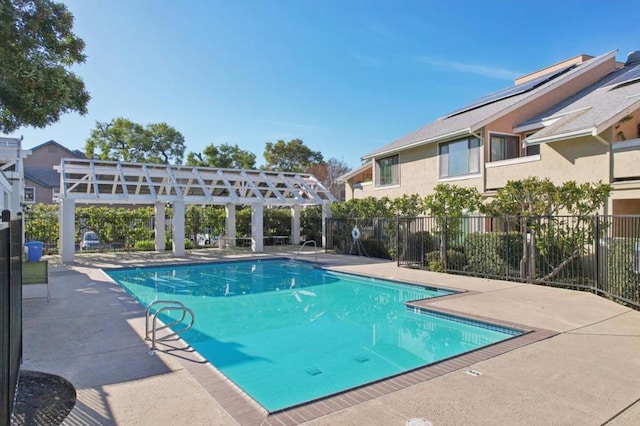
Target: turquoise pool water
<point x="288" y="333"/>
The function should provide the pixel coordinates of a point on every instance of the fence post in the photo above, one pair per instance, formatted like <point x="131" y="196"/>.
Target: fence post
<point x="596" y="242"/>
<point x="397" y="240"/>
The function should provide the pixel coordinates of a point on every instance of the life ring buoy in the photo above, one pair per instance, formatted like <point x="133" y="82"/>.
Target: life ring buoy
<point x="355" y="233"/>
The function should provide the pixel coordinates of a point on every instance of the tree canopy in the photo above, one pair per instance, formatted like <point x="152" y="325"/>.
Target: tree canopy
<point x="37" y="48"/>
<point x="292" y="156"/>
<point x="123" y="140"/>
<point x="328" y="173"/>
<point x="223" y="156"/>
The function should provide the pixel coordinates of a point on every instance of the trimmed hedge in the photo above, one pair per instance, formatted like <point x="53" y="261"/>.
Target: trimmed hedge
<point x="456" y="261"/>
<point x="622" y="278"/>
<point x="494" y="254"/>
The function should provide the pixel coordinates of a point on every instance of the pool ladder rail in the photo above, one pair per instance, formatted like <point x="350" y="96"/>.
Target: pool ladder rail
<point x="152" y="317"/>
<point x="308" y="242"/>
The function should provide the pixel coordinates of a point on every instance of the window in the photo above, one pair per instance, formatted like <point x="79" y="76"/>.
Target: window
<point x="504" y="147"/>
<point x="458" y="158"/>
<point x="55" y="195"/>
<point x="532" y="150"/>
<point x="387" y="171"/>
<point x="29" y="195"/>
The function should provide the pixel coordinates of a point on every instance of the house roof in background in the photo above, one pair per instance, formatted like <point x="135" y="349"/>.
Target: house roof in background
<point x="73" y="153"/>
<point x="47" y="177"/>
<point x="471" y="120"/>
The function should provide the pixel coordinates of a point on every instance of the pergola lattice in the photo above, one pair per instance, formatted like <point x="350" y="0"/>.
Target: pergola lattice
<point x="113" y="182"/>
<point x="97" y="181"/>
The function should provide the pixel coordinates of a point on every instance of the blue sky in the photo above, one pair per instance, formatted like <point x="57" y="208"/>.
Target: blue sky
<point x="345" y="76"/>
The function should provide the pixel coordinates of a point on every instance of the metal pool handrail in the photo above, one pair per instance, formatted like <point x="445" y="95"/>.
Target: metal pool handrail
<point x="171" y="305"/>
<point x="303" y="246"/>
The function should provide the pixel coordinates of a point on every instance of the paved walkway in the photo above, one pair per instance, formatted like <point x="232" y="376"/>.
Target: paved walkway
<point x="588" y="373"/>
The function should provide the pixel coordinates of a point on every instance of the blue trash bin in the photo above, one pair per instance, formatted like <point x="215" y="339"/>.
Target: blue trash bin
<point x="35" y="250"/>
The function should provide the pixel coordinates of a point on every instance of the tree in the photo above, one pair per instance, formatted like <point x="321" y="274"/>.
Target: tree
<point x="447" y="204"/>
<point x="225" y="156"/>
<point x="123" y="140"/>
<point x="539" y="205"/>
<point x="292" y="156"/>
<point x="166" y="143"/>
<point x="37" y="48"/>
<point x="328" y="173"/>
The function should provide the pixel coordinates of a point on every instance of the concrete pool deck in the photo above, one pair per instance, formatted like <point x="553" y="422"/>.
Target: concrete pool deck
<point x="585" y="371"/>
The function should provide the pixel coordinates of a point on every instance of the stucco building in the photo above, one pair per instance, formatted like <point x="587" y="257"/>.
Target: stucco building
<point x="575" y="120"/>
<point x="42" y="181"/>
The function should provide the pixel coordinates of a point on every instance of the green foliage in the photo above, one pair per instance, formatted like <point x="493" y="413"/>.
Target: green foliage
<point x="146" y="245"/>
<point x="535" y="197"/>
<point x="623" y="264"/>
<point x="558" y="241"/>
<point x="224" y="156"/>
<point x="204" y="220"/>
<point x="408" y="205"/>
<point x="277" y="222"/>
<point x="450" y="200"/>
<point x="447" y="204"/>
<point x="115" y="226"/>
<point x="41" y="224"/>
<point x="243" y="222"/>
<point x="37" y="50"/>
<point x="311" y="224"/>
<point x="494" y="254"/>
<point x="292" y="156"/>
<point x="369" y="207"/>
<point x="456" y="260"/>
<point x="376" y="248"/>
<point x="123" y="140"/>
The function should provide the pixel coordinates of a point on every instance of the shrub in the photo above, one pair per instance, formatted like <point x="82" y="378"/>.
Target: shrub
<point x="145" y="245"/>
<point x="622" y="261"/>
<point x="494" y="254"/>
<point x="456" y="261"/>
<point x="375" y="248"/>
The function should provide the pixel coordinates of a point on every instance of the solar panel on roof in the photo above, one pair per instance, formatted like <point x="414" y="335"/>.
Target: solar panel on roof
<point x="511" y="91"/>
<point x="629" y="76"/>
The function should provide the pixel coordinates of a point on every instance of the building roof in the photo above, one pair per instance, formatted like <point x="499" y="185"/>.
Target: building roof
<point x="72" y="153"/>
<point x="470" y="121"/>
<point x="354" y="172"/>
<point x="47" y="177"/>
<point x="589" y="112"/>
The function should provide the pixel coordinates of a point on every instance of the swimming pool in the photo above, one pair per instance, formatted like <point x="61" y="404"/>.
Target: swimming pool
<point x="288" y="333"/>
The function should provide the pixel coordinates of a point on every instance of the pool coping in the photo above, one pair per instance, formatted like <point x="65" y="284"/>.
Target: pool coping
<point x="246" y="411"/>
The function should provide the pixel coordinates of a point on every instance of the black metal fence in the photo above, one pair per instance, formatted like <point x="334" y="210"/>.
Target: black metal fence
<point x="10" y="313"/>
<point x="598" y="253"/>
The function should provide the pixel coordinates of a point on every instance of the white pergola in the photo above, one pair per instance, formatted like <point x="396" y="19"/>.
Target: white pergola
<point x="113" y="182"/>
<point x="12" y="174"/>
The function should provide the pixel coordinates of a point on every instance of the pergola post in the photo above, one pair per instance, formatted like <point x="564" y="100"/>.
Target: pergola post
<point x="326" y="214"/>
<point x="178" y="228"/>
<point x="257" y="229"/>
<point x="160" y="227"/>
<point x="230" y="224"/>
<point x="67" y="230"/>
<point x="295" y="224"/>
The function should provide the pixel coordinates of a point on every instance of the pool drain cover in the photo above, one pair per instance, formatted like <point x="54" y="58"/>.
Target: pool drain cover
<point x="313" y="371"/>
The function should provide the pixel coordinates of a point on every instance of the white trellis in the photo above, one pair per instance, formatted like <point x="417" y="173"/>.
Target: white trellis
<point x="110" y="182"/>
<point x="12" y="174"/>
